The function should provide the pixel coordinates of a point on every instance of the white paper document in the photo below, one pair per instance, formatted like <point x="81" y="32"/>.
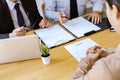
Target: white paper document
<point x="80" y="26"/>
<point x="54" y="36"/>
<point x="78" y="49"/>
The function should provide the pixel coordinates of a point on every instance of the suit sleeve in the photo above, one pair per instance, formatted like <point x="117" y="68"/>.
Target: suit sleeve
<point x="3" y="36"/>
<point x="97" y="5"/>
<point x="37" y="21"/>
<point x="37" y="15"/>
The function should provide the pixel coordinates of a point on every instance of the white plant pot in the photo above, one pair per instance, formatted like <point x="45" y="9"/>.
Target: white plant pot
<point x="45" y="60"/>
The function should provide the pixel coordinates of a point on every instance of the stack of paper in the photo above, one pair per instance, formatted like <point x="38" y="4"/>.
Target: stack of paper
<point x="78" y="49"/>
<point x="80" y="26"/>
<point x="54" y="36"/>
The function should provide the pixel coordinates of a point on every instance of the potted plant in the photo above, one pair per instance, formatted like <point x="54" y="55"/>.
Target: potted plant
<point x="45" y="56"/>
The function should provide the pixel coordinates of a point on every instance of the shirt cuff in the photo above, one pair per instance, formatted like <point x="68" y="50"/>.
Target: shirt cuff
<point x="10" y="35"/>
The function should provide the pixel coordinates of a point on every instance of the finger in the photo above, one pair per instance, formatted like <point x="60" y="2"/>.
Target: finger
<point x="60" y="19"/>
<point x="41" y="24"/>
<point x="50" y="24"/>
<point x="89" y="17"/>
<point x="88" y="50"/>
<point x="95" y="20"/>
<point x="99" y="51"/>
<point x="100" y="18"/>
<point x="19" y="29"/>
<point x="47" y="25"/>
<point x="93" y="49"/>
<point x="44" y="24"/>
<point x="24" y="29"/>
<point x="63" y="14"/>
<point x="18" y="34"/>
<point x="92" y="19"/>
<point x="64" y="20"/>
<point x="21" y="32"/>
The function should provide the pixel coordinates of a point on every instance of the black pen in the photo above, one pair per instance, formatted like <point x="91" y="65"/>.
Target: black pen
<point x="34" y="24"/>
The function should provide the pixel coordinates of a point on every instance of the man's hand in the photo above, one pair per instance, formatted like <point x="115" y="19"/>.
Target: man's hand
<point x="45" y="23"/>
<point x="63" y="18"/>
<point x="95" y="17"/>
<point x="18" y="32"/>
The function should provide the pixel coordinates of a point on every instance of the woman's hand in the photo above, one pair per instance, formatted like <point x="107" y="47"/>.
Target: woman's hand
<point x="96" y="52"/>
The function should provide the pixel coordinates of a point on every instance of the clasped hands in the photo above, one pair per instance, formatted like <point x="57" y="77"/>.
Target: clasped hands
<point x="96" y="52"/>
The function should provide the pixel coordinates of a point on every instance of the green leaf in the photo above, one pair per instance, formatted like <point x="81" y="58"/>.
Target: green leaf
<point x="44" y="49"/>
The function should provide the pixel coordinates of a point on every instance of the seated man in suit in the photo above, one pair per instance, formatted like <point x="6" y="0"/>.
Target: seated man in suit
<point x="17" y="16"/>
<point x="61" y="10"/>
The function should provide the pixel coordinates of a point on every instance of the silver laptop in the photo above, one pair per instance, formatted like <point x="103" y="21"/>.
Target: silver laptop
<point x="20" y="48"/>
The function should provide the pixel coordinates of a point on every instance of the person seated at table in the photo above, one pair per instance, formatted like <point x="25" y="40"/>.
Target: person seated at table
<point x="16" y="16"/>
<point x="98" y="65"/>
<point x="63" y="10"/>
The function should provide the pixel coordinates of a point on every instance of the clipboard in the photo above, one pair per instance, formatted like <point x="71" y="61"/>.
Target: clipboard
<point x="54" y="36"/>
<point x="101" y="26"/>
<point x="80" y="27"/>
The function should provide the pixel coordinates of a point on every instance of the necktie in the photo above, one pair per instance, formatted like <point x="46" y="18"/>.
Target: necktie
<point x="73" y="9"/>
<point x="19" y="15"/>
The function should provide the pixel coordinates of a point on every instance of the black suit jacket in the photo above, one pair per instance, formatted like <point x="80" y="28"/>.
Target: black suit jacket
<point x="6" y="22"/>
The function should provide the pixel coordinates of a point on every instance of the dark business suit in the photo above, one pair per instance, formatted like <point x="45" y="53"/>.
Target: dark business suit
<point x="6" y="22"/>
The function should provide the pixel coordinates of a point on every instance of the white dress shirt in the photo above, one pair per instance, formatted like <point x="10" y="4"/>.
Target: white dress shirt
<point x="13" y="13"/>
<point x="53" y="7"/>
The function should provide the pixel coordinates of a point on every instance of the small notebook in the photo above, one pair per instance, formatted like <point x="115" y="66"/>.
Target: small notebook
<point x="80" y="27"/>
<point x="78" y="49"/>
<point x="54" y="36"/>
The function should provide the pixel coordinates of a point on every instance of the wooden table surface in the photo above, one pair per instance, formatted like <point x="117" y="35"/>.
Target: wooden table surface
<point x="62" y="65"/>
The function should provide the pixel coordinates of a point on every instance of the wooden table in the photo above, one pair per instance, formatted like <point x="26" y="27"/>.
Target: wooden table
<point x="62" y="64"/>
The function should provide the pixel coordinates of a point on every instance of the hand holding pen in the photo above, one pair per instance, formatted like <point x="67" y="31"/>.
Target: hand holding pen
<point x="63" y="18"/>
